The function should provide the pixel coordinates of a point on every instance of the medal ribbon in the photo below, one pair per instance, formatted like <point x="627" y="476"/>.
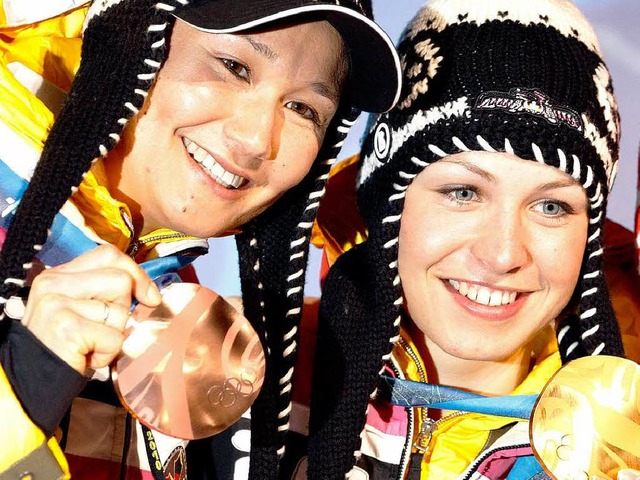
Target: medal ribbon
<point x="407" y="393"/>
<point x="66" y="240"/>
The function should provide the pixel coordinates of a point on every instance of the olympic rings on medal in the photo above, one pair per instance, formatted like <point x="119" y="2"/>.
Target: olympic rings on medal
<point x="227" y="393"/>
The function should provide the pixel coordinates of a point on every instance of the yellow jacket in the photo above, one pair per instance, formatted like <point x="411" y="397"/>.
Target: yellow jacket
<point x="459" y="438"/>
<point x="40" y="43"/>
<point x="36" y="53"/>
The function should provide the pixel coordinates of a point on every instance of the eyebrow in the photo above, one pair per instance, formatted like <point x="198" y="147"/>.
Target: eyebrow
<point x="260" y="47"/>
<point x="474" y="169"/>
<point x="326" y="91"/>
<point x="569" y="182"/>
<point x="564" y="183"/>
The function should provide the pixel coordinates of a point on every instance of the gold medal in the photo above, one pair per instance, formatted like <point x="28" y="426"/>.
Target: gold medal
<point x="190" y="367"/>
<point x="586" y="421"/>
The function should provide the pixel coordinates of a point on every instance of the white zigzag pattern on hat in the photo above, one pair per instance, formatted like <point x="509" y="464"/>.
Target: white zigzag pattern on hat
<point x="607" y="101"/>
<point x="417" y="123"/>
<point x="601" y="146"/>
<point x="561" y="14"/>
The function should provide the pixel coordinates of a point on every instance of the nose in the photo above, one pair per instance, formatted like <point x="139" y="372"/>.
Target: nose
<point x="503" y="245"/>
<point x="251" y="131"/>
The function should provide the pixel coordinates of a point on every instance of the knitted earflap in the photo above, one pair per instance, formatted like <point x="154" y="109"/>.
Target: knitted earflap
<point x="120" y="60"/>
<point x="524" y="77"/>
<point x="280" y="237"/>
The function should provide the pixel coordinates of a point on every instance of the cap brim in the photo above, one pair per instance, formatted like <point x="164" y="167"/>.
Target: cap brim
<point x="375" y="76"/>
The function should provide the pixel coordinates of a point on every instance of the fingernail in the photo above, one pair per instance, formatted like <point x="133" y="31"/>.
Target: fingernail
<point x="153" y="294"/>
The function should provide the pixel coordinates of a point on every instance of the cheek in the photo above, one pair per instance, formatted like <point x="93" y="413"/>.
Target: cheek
<point x="560" y="257"/>
<point x="179" y="103"/>
<point x="415" y="251"/>
<point x="428" y="236"/>
<point x="293" y="163"/>
<point x="419" y="248"/>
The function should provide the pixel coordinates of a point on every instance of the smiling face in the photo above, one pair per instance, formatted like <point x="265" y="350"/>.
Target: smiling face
<point x="233" y="122"/>
<point x="490" y="252"/>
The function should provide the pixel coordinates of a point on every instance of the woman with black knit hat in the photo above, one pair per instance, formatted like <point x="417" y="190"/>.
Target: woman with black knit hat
<point x="483" y="193"/>
<point x="185" y="120"/>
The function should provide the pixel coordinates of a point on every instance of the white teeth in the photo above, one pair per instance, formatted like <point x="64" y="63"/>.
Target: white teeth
<point x="228" y="177"/>
<point x="191" y="147"/>
<point x="496" y="299"/>
<point x="213" y="168"/>
<point x="484" y="295"/>
<point x="200" y="155"/>
<point x="217" y="170"/>
<point x="208" y="162"/>
<point x="472" y="294"/>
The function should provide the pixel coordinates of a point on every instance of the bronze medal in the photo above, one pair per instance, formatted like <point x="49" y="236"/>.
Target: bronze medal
<point x="190" y="367"/>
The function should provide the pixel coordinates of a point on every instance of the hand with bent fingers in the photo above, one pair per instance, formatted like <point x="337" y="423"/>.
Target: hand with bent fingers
<point x="79" y="309"/>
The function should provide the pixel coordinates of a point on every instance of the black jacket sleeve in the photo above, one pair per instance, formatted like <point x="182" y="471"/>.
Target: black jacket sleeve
<point x="44" y="383"/>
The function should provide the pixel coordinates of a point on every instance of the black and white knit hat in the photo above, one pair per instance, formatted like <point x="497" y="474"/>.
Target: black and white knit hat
<point x="124" y="46"/>
<point x="519" y="76"/>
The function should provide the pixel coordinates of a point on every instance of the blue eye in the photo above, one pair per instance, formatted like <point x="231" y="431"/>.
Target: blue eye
<point x="553" y="208"/>
<point x="463" y="194"/>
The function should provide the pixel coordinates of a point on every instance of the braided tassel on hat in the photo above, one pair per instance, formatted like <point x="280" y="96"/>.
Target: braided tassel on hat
<point x="281" y="237"/>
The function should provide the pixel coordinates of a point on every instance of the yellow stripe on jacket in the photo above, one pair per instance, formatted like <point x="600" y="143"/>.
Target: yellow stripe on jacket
<point x="44" y="55"/>
<point x="18" y="435"/>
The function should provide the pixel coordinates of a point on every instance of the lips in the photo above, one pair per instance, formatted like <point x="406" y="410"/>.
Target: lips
<point x="483" y="295"/>
<point x="211" y="167"/>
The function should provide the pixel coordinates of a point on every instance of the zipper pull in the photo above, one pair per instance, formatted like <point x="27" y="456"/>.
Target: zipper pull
<point x="428" y="427"/>
<point x="134" y="246"/>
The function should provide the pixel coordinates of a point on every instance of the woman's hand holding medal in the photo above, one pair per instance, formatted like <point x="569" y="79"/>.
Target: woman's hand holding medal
<point x="79" y="309"/>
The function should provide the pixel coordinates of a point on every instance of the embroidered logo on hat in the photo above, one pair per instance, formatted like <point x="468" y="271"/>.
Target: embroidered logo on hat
<point x="531" y="101"/>
<point x="382" y="141"/>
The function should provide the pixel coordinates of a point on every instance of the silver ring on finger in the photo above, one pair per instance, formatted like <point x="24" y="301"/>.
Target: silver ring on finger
<point x="105" y="314"/>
